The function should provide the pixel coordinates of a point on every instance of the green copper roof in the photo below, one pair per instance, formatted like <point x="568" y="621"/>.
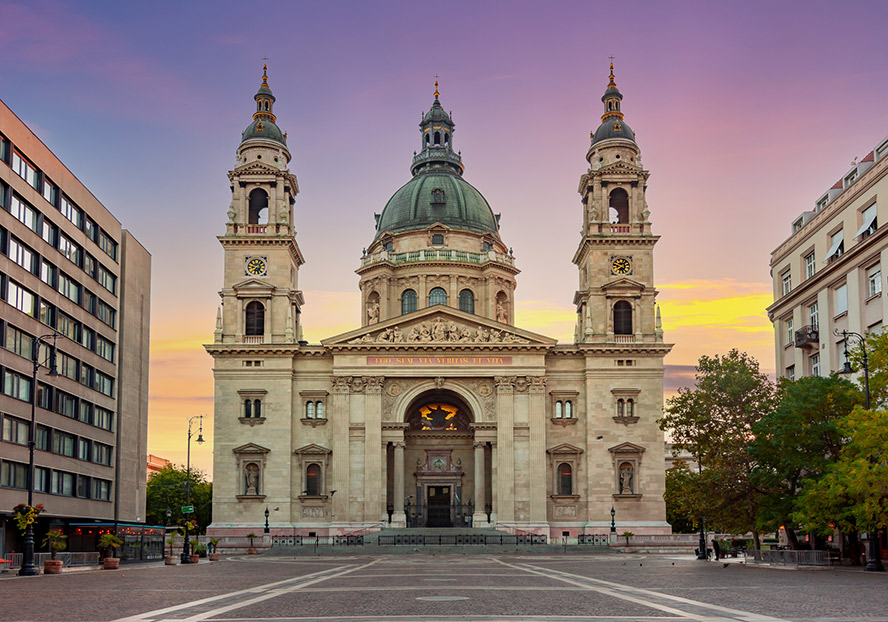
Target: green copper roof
<point x="264" y="128"/>
<point x="608" y="129"/>
<point x="416" y="205"/>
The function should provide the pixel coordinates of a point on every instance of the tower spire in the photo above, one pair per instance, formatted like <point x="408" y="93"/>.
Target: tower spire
<point x="436" y="88"/>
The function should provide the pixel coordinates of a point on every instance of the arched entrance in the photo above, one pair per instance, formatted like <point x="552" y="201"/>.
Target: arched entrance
<point x="439" y="461"/>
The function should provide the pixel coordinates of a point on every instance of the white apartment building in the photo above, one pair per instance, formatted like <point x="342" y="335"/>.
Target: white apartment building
<point x="828" y="275"/>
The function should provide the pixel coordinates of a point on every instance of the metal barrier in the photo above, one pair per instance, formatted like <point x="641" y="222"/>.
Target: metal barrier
<point x="793" y="558"/>
<point x="67" y="559"/>
<point x="594" y="539"/>
<point x="317" y="540"/>
<point x="462" y="540"/>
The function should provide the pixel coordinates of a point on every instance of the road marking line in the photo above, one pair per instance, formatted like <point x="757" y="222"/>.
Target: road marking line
<point x="141" y="617"/>
<point x="270" y="594"/>
<point x="619" y="590"/>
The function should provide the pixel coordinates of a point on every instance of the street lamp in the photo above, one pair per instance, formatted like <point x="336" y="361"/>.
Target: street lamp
<point x="701" y="552"/>
<point x="266" y="519"/>
<point x="28" y="568"/>
<point x="873" y="556"/>
<point x="613" y="522"/>
<point x="186" y="548"/>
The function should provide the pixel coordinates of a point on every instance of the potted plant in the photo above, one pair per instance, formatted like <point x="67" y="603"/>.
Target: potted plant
<point x="196" y="548"/>
<point x="56" y="541"/>
<point x="110" y="543"/>
<point x="170" y="560"/>
<point x="252" y="549"/>
<point x="215" y="555"/>
<point x="627" y="535"/>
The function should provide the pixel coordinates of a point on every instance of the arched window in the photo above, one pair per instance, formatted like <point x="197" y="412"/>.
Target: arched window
<point x="427" y="140"/>
<point x="319" y="410"/>
<point x="621" y="408"/>
<point x="568" y="409"/>
<point x="257" y="408"/>
<point x="619" y="201"/>
<point x="258" y="207"/>
<point x="313" y="480"/>
<point x="437" y="240"/>
<point x="248" y="408"/>
<point x="565" y="479"/>
<point x="408" y="301"/>
<point x="467" y="301"/>
<point x="630" y="408"/>
<point x="309" y="410"/>
<point x="559" y="410"/>
<point x="437" y="138"/>
<point x="446" y="139"/>
<point x="622" y="318"/>
<point x="437" y="296"/>
<point x="255" y="320"/>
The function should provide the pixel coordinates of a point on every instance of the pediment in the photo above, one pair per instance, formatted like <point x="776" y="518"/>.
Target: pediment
<point x="257" y="167"/>
<point x="565" y="448"/>
<point x="626" y="448"/>
<point x="438" y="226"/>
<point x="253" y="284"/>
<point x="623" y="284"/>
<point x="620" y="166"/>
<point x="251" y="448"/>
<point x="312" y="450"/>
<point x="439" y="326"/>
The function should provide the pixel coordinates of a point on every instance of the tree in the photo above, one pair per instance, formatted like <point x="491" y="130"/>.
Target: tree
<point x="798" y="441"/>
<point x="877" y="359"/>
<point x="166" y="491"/>
<point x="682" y="498"/>
<point x="713" y="421"/>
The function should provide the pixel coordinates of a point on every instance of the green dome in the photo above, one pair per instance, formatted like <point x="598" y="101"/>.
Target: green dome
<point x="264" y="128"/>
<point x="416" y="205"/>
<point x="608" y="129"/>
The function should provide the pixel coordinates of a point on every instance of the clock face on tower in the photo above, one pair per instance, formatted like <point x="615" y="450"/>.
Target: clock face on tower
<point x="256" y="266"/>
<point x="621" y="265"/>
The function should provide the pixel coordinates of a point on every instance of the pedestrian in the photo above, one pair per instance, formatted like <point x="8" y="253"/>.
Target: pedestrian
<point x="715" y="548"/>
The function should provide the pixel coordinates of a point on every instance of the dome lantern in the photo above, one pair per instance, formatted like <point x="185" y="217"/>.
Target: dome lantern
<point x="612" y="123"/>
<point x="264" y="122"/>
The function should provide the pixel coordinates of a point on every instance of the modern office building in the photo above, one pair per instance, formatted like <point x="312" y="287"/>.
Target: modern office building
<point x="828" y="274"/>
<point x="68" y="270"/>
<point x="437" y="410"/>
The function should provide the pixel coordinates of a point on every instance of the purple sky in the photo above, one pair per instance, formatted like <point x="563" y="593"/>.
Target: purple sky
<point x="745" y="113"/>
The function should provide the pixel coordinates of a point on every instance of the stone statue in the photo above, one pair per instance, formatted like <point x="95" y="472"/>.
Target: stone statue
<point x="626" y="479"/>
<point x="373" y="311"/>
<point x="501" y="315"/>
<point x="251" y="473"/>
<point x="231" y="213"/>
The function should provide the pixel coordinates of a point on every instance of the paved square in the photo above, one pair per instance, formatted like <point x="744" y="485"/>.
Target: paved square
<point x="416" y="587"/>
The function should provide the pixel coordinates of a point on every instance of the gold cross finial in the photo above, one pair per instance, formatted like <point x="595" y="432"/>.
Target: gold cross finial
<point x="436" y="86"/>
<point x="612" y="83"/>
<point x="265" y="69"/>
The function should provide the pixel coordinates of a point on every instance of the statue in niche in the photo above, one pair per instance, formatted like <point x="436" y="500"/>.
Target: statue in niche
<point x="502" y="316"/>
<point x="231" y="213"/>
<point x="626" y="479"/>
<point x="251" y="476"/>
<point x="373" y="311"/>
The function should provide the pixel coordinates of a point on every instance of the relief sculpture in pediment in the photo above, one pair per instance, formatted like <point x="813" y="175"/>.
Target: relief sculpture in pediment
<point x="439" y="331"/>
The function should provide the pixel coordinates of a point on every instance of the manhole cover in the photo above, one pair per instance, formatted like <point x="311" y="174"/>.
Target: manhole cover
<point x="440" y="598"/>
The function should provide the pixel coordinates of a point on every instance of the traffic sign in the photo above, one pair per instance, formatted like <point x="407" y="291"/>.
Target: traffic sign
<point x="187" y="509"/>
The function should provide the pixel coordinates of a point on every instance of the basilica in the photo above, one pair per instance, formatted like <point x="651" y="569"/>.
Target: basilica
<point x="438" y="410"/>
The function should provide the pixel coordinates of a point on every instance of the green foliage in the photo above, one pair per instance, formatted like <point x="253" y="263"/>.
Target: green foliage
<point x="166" y="490"/>
<point x="852" y="495"/>
<point x="799" y="439"/>
<point x="714" y="422"/>
<point x="110" y="542"/>
<point x="682" y="498"/>
<point x="56" y="541"/>
<point x="877" y="359"/>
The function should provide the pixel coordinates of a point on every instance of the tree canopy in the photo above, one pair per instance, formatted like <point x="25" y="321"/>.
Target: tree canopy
<point x="166" y="490"/>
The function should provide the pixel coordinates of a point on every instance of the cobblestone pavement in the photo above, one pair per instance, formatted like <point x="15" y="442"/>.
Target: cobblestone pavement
<point x="441" y="588"/>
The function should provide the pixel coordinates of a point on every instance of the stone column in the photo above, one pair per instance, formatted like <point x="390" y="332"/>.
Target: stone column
<point x="494" y="502"/>
<point x="505" y="412"/>
<point x="537" y="461"/>
<point x="399" y="518"/>
<point x="383" y="481"/>
<point x="373" y="482"/>
<point x="339" y="418"/>
<point x="480" y="517"/>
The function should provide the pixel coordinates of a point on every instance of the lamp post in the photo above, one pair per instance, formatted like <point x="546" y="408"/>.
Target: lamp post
<point x="28" y="568"/>
<point x="266" y="520"/>
<point x="186" y="548"/>
<point x="873" y="555"/>
<point x="701" y="551"/>
<point x="613" y="522"/>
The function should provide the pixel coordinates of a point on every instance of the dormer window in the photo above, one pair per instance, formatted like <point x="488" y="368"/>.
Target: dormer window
<point x="437" y="196"/>
<point x="437" y="240"/>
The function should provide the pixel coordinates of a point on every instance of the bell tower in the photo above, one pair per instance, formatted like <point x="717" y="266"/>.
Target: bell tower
<point x="260" y="299"/>
<point x="616" y="297"/>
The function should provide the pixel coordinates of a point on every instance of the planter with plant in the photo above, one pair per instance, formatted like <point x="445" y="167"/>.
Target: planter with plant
<point x="110" y="543"/>
<point x="55" y="539"/>
<point x="627" y="535"/>
<point x="252" y="549"/>
<point x="196" y="549"/>
<point x="170" y="560"/>
<point x="215" y="555"/>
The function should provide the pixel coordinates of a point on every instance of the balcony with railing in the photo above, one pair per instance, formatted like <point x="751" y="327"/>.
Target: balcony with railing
<point x="433" y="254"/>
<point x="251" y="339"/>
<point x="807" y="336"/>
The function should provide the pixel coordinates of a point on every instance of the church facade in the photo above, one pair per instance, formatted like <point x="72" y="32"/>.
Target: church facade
<point x="438" y="411"/>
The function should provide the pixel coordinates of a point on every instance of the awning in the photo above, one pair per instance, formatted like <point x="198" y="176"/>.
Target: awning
<point x="867" y="222"/>
<point x="837" y="242"/>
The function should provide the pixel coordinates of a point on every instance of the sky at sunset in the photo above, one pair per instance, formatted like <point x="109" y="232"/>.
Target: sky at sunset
<point x="745" y="112"/>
